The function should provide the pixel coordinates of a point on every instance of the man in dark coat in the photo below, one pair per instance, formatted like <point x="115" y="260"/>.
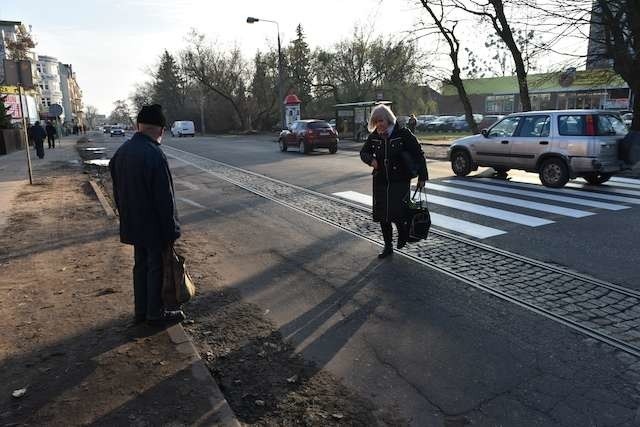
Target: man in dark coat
<point x="412" y="123"/>
<point x="51" y="135"/>
<point x="37" y="134"/>
<point x="144" y="195"/>
<point x="396" y="157"/>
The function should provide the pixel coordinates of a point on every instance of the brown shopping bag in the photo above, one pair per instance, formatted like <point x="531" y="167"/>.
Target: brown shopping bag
<point x="177" y="286"/>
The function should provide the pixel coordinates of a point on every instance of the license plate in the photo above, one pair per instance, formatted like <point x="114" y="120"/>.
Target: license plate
<point x="324" y="133"/>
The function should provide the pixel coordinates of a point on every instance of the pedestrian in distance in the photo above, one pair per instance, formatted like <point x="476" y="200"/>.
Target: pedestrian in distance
<point x="145" y="199"/>
<point x="395" y="156"/>
<point x="412" y="123"/>
<point x="37" y="134"/>
<point x="51" y="134"/>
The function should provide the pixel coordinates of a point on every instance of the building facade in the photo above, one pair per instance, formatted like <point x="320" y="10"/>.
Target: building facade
<point x="571" y="89"/>
<point x="71" y="95"/>
<point x="49" y="84"/>
<point x="28" y="105"/>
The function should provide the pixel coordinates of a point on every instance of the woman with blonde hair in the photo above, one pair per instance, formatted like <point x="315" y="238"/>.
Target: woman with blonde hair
<point x="396" y="157"/>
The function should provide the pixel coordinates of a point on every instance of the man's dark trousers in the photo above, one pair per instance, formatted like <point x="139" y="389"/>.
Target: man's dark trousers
<point x="51" y="140"/>
<point x="147" y="282"/>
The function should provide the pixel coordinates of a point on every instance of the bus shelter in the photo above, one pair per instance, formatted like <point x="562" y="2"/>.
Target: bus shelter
<point x="352" y="118"/>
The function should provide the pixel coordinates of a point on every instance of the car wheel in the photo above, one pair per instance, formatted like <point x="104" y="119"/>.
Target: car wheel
<point x="461" y="163"/>
<point x="304" y="147"/>
<point x="283" y="145"/>
<point x="554" y="173"/>
<point x="333" y="149"/>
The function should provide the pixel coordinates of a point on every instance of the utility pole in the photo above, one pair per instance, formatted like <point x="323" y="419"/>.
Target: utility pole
<point x="24" y="126"/>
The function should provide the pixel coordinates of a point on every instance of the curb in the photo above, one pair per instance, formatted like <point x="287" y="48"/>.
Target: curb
<point x="219" y="413"/>
<point x="103" y="200"/>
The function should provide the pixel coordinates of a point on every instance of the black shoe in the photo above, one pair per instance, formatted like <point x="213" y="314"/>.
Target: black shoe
<point x="402" y="241"/>
<point x="388" y="250"/>
<point x="168" y="318"/>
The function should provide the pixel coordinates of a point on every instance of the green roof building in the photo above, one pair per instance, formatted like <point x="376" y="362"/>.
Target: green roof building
<point x="570" y="89"/>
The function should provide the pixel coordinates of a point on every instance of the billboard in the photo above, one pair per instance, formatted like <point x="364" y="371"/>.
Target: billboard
<point x="12" y="103"/>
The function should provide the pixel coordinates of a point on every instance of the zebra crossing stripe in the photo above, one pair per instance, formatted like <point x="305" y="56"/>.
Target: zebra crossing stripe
<point x="458" y="225"/>
<point x="528" y="220"/>
<point x="509" y="188"/>
<point x="633" y="181"/>
<point x="543" y="207"/>
<point x="610" y="193"/>
<point x="584" y="193"/>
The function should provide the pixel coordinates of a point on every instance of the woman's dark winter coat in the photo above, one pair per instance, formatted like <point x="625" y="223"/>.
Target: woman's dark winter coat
<point x="396" y="154"/>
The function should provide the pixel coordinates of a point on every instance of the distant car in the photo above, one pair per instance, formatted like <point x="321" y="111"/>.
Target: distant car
<point x="106" y="129"/>
<point x="116" y="132"/>
<point x="309" y="134"/>
<point x="627" y="119"/>
<point x="423" y="121"/>
<point x="460" y="124"/>
<point x="489" y="120"/>
<point x="559" y="145"/>
<point x="402" y="120"/>
<point x="182" y="128"/>
<point x="441" y="124"/>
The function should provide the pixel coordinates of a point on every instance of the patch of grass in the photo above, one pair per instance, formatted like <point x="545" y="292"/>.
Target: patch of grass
<point x="441" y="136"/>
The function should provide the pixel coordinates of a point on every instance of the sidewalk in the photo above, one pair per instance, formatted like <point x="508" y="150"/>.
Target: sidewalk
<point x="68" y="355"/>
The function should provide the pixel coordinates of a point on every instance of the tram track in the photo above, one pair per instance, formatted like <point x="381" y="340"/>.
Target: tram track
<point x="604" y="311"/>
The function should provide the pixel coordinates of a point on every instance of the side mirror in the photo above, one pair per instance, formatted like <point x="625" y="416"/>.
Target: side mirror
<point x="485" y="133"/>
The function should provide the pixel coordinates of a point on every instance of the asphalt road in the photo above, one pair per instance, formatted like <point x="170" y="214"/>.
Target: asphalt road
<point x="400" y="333"/>
<point x="598" y="236"/>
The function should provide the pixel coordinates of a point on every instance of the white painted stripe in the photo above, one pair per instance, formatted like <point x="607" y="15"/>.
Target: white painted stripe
<point x="536" y="206"/>
<point x="458" y="225"/>
<point x="509" y="216"/>
<point x="608" y="193"/>
<point x="584" y="193"/>
<point x="634" y="181"/>
<point x="191" y="202"/>
<point x="189" y="185"/>
<point x="538" y="194"/>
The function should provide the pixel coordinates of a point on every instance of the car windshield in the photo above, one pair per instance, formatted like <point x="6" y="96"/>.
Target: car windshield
<point x="319" y="125"/>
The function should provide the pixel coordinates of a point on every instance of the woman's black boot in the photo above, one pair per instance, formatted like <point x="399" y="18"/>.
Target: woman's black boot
<point x="387" y="235"/>
<point x="403" y="233"/>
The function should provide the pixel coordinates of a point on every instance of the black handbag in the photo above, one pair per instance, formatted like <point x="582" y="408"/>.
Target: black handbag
<point x="418" y="217"/>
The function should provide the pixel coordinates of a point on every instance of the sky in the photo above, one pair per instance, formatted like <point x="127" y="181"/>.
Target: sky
<point x="112" y="45"/>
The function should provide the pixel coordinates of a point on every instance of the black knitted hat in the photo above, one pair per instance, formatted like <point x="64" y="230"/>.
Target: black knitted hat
<point x="152" y="115"/>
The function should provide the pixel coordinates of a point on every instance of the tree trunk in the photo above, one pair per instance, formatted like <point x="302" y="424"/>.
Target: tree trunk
<point x="456" y="81"/>
<point x="504" y="31"/>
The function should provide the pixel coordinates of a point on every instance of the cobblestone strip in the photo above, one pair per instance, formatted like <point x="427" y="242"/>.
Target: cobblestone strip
<point x="603" y="310"/>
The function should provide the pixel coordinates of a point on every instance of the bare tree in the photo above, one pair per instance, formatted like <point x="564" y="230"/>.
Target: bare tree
<point x="223" y="73"/>
<point x="494" y="12"/>
<point x="613" y="29"/>
<point x="90" y="113"/>
<point x="446" y="28"/>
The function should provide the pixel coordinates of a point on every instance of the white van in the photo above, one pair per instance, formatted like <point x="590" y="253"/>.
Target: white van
<point x="183" y="128"/>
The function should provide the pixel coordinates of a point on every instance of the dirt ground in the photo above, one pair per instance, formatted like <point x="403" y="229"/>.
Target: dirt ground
<point x="67" y="349"/>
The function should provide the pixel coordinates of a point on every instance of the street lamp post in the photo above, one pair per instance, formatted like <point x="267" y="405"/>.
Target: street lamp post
<point x="251" y="20"/>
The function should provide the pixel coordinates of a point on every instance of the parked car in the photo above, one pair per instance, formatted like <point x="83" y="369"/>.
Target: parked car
<point x="116" y="131"/>
<point x="106" y="129"/>
<point x="402" y="120"/>
<point x="460" y="123"/>
<point x="488" y="120"/>
<point x="558" y="145"/>
<point x="627" y="119"/>
<point x="441" y="124"/>
<point x="308" y="135"/>
<point x="182" y="128"/>
<point x="423" y="121"/>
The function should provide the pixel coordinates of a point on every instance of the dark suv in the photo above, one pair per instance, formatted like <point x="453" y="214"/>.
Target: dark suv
<point x="309" y="134"/>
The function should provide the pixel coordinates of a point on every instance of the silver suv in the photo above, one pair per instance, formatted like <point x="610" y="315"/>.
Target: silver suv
<point x="558" y="145"/>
